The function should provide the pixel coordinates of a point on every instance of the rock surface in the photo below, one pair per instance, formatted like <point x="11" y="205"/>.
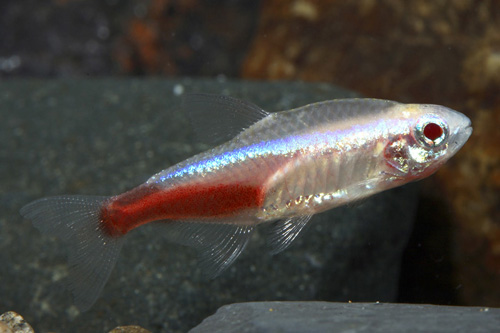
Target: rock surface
<point x="65" y="38"/>
<point x="129" y="329"/>
<point x="306" y="317"/>
<point x="102" y="137"/>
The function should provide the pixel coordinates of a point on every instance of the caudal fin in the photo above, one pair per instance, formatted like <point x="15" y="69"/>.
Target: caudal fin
<point x="92" y="253"/>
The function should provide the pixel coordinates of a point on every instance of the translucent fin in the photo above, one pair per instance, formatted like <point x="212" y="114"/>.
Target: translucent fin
<point x="218" y="245"/>
<point x="92" y="254"/>
<point x="284" y="232"/>
<point x="217" y="118"/>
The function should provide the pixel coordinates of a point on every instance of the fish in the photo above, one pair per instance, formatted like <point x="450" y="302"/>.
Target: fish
<point x="279" y="168"/>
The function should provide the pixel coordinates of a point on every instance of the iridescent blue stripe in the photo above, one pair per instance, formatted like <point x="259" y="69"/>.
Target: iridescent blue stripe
<point x="272" y="147"/>
<point x="357" y="135"/>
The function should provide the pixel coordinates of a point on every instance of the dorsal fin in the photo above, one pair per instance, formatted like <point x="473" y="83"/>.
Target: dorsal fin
<point x="218" y="118"/>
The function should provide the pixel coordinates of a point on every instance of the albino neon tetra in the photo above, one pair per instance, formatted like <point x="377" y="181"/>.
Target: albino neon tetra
<point x="277" y="167"/>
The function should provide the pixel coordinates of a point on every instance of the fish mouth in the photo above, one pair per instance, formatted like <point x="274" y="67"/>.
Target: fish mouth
<point x="461" y="136"/>
<point x="468" y="130"/>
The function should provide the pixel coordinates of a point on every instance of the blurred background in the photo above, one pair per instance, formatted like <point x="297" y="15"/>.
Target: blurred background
<point x="422" y="51"/>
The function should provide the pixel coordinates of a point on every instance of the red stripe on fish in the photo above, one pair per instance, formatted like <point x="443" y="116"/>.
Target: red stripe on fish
<point x="201" y="201"/>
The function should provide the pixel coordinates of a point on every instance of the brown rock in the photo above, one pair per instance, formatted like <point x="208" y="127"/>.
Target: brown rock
<point x="11" y="322"/>
<point x="186" y="37"/>
<point x="129" y="329"/>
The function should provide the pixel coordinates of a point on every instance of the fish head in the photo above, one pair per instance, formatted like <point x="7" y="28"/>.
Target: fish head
<point x="426" y="137"/>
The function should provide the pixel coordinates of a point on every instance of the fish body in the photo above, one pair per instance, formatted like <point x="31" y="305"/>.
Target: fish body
<point x="281" y="168"/>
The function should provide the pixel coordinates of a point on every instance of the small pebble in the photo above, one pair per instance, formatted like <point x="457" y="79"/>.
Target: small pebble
<point x="11" y="322"/>
<point x="129" y="329"/>
<point x="178" y="89"/>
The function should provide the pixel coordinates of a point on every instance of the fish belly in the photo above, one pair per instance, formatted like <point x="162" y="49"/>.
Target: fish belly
<point x="318" y="181"/>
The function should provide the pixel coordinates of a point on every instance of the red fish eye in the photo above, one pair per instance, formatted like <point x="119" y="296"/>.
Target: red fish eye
<point x="432" y="131"/>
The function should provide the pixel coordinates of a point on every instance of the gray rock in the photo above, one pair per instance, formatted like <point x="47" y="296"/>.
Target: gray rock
<point x="306" y="317"/>
<point x="102" y="137"/>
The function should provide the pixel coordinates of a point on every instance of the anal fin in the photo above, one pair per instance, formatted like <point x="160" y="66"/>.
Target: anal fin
<point x="218" y="244"/>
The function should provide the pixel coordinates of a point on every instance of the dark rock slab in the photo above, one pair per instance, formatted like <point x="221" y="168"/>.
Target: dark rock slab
<point x="102" y="137"/>
<point x="306" y="317"/>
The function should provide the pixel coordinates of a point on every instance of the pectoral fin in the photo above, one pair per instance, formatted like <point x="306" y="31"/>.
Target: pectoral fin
<point x="284" y="232"/>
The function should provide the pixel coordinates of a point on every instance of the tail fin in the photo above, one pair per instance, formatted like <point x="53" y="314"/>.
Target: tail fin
<point x="92" y="253"/>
